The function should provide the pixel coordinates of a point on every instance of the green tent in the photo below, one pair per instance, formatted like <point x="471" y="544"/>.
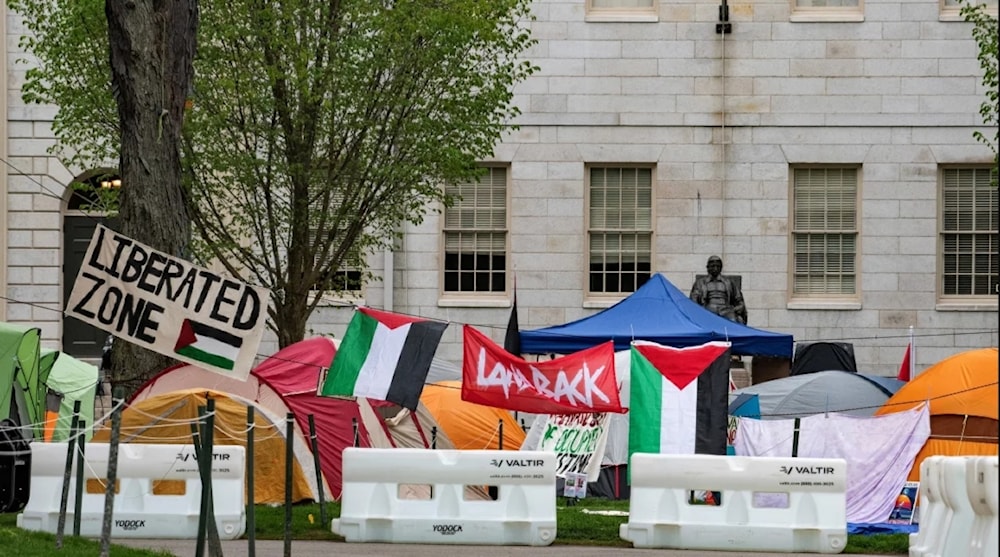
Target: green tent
<point x="69" y="380"/>
<point x="21" y="376"/>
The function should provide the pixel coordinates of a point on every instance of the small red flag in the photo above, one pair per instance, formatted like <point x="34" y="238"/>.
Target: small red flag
<point x="904" y="368"/>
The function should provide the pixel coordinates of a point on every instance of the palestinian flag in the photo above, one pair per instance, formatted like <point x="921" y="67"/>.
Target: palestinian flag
<point x="384" y="356"/>
<point x="678" y="398"/>
<point x="208" y="345"/>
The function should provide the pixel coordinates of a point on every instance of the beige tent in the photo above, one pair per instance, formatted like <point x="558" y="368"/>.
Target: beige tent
<point x="166" y="419"/>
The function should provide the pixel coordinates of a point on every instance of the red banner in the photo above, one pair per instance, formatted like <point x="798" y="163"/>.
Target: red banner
<point x="584" y="381"/>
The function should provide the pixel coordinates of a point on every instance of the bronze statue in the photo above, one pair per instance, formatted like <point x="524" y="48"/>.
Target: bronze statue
<point x="719" y="294"/>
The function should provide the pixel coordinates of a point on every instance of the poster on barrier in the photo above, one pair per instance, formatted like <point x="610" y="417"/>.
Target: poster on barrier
<point x="578" y="440"/>
<point x="906" y="504"/>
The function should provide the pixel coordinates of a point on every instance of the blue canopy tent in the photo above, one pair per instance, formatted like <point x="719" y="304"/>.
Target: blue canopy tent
<point x="656" y="312"/>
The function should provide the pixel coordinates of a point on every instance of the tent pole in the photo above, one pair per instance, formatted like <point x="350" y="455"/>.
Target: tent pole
<point x="117" y="404"/>
<point x="170" y="412"/>
<point x="214" y="543"/>
<point x="795" y="439"/>
<point x="197" y="445"/>
<point x="289" y="455"/>
<point x="319" y="471"/>
<point x="70" y="451"/>
<point x="80" y="463"/>
<point x="251" y="500"/>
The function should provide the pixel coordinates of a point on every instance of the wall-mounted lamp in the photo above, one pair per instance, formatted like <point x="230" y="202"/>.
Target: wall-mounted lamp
<point x="724" y="26"/>
<point x="111" y="184"/>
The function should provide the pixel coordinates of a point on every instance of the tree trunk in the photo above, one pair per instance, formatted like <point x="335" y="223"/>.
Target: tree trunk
<point x="152" y="46"/>
<point x="290" y="318"/>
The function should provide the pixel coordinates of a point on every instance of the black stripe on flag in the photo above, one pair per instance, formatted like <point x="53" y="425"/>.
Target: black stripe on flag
<point x="204" y="330"/>
<point x="415" y="362"/>
<point x="713" y="407"/>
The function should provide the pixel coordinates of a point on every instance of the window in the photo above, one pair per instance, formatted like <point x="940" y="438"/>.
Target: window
<point x="621" y="10"/>
<point x="827" y="3"/>
<point x="968" y="228"/>
<point x="951" y="10"/>
<point x="828" y="10"/>
<point x="824" y="232"/>
<point x="475" y="235"/>
<point x="346" y="282"/>
<point x="620" y="229"/>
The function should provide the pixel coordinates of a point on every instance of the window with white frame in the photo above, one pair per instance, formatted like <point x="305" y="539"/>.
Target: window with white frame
<point x="824" y="233"/>
<point x="951" y="10"/>
<point x="968" y="228"/>
<point x="475" y="235"/>
<point x="621" y="10"/>
<point x="346" y="281"/>
<point x="342" y="284"/>
<point x="620" y="229"/>
<point x="828" y="10"/>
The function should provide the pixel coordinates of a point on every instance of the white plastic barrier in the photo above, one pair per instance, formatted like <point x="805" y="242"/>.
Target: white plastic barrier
<point x="373" y="511"/>
<point x="813" y="517"/>
<point x="138" y="512"/>
<point x="932" y="507"/>
<point x="983" y="486"/>
<point x="946" y="532"/>
<point x="956" y="521"/>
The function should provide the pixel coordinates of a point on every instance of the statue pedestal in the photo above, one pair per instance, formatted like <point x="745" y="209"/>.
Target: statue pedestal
<point x="741" y="376"/>
<point x="766" y="368"/>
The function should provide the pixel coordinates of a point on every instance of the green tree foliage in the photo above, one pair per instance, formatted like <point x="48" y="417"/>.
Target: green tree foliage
<point x="317" y="127"/>
<point x="986" y="32"/>
<point x="68" y="44"/>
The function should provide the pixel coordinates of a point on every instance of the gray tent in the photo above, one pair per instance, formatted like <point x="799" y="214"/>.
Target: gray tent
<point x="844" y="392"/>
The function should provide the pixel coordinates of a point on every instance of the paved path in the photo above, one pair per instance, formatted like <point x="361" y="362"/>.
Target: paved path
<point x="275" y="548"/>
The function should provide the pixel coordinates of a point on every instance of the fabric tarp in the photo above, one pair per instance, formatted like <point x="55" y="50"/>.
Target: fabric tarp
<point x="657" y="312"/>
<point x="878" y="450"/>
<point x="823" y="356"/>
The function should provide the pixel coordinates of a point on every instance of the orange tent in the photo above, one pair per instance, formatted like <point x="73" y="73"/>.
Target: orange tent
<point x="469" y="425"/>
<point x="962" y="392"/>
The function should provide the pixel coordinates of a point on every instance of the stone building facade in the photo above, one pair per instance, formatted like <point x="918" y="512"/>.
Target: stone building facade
<point x="825" y="152"/>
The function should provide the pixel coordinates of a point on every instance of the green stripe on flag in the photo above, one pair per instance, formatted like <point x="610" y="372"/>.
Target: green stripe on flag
<point x="351" y="356"/>
<point x="205" y="357"/>
<point x="645" y="405"/>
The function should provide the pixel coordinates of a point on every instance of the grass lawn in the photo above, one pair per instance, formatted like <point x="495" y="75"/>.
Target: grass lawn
<point x="575" y="527"/>
<point x="22" y="543"/>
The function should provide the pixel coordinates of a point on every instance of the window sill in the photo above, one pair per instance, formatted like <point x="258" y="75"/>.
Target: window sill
<point x="827" y="17"/>
<point x="339" y="300"/>
<point x="985" y="305"/>
<point x="835" y="305"/>
<point x="622" y="17"/>
<point x="601" y="303"/>
<point x="453" y="301"/>
<point x="954" y="14"/>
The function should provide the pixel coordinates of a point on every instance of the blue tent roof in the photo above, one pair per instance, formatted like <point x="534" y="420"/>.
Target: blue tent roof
<point x="656" y="312"/>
